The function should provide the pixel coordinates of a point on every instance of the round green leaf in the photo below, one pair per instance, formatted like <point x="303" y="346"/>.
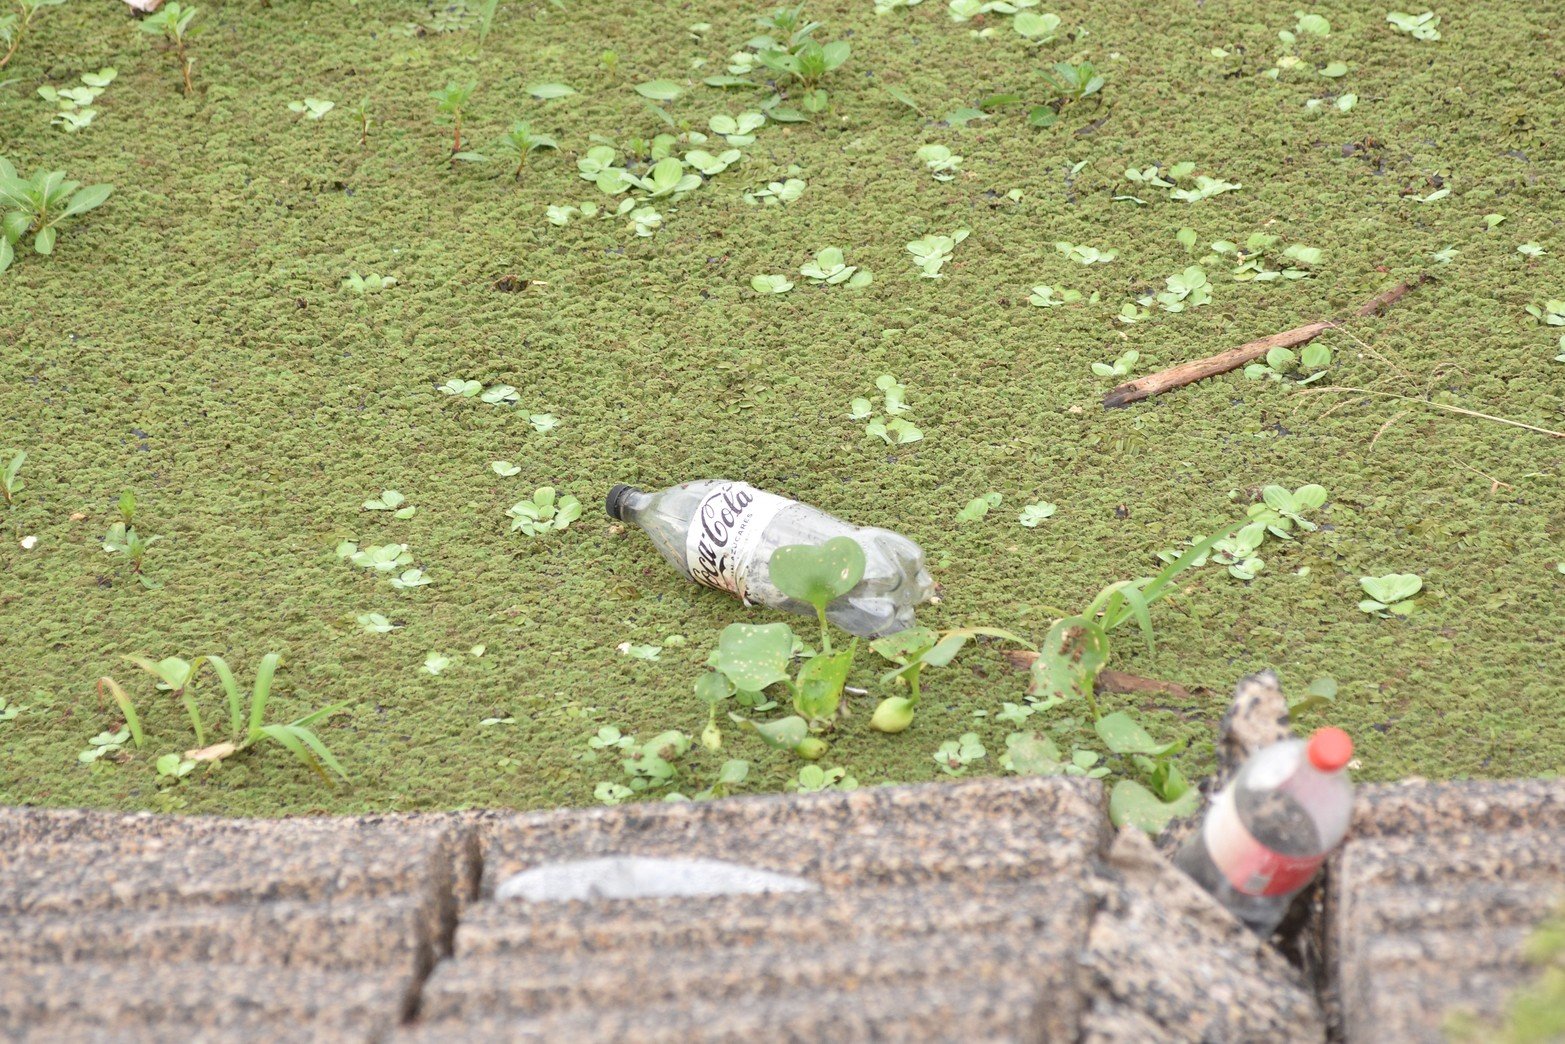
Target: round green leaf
<point x="818" y="575"/>
<point x="754" y="656"/>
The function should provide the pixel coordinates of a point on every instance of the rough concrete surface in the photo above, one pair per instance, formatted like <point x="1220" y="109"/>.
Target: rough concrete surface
<point x="988" y="910"/>
<point x="1432" y="897"/>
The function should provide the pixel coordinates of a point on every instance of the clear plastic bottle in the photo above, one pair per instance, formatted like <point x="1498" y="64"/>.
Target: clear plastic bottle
<point x="721" y="534"/>
<point x="1269" y="831"/>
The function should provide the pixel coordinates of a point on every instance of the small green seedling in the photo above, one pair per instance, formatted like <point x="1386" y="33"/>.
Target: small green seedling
<point x="1531" y="250"/>
<point x="932" y="252"/>
<point x="173" y="22"/>
<point x="609" y="738"/>
<point x="738" y="130"/>
<point x="1036" y="754"/>
<point x="898" y="431"/>
<point x="1044" y="297"/>
<point x="1260" y="261"/>
<point x="771" y="284"/>
<point x="312" y="108"/>
<point x="461" y="388"/>
<point x="610" y="793"/>
<point x="978" y="507"/>
<point x="452" y="100"/>
<point x="1280" y="511"/>
<point x="1036" y="28"/>
<point x="562" y="215"/>
<point x="1203" y="187"/>
<point x="1550" y="313"/>
<point x="1237" y="552"/>
<point x="36" y="206"/>
<point x="124" y="540"/>
<point x="1077" y="647"/>
<point x="520" y="142"/>
<point x="11" y="481"/>
<point x="248" y="725"/>
<point x="654" y="763"/>
<point x="1167" y="795"/>
<point x="748" y="659"/>
<point x="363" y="114"/>
<point x="940" y="161"/>
<point x="391" y="500"/>
<point x="828" y="268"/>
<point x="813" y="779"/>
<point x="368" y="284"/>
<point x="543" y="513"/>
<point x="379" y="558"/>
<point x="105" y="744"/>
<point x="1419" y="27"/>
<point x="666" y="178"/>
<point x="1187" y="289"/>
<point x="1072" y="83"/>
<point x="954" y="756"/>
<point x="893" y="429"/>
<point x="777" y="192"/>
<point x="75" y="103"/>
<point x="1086" y="255"/>
<point x="809" y="62"/>
<point x="1321" y="692"/>
<point x="500" y="395"/>
<point x="1282" y="364"/>
<point x="1390" y="595"/>
<point x="912" y="650"/>
<point x="14" y="26"/>
<point x="174" y="767"/>
<point x="712" y="164"/>
<point x="1032" y="514"/>
<point x="1124" y="366"/>
<point x="178" y="677"/>
<point x="375" y="623"/>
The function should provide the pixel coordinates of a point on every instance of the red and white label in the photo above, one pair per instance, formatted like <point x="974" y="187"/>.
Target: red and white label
<point x="1250" y="866"/>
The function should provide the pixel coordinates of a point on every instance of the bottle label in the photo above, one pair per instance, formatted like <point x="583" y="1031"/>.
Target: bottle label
<point x="725" y="532"/>
<point x="1250" y="866"/>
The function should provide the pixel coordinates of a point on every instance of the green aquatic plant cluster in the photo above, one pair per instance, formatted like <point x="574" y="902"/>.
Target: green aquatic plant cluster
<point x="647" y="278"/>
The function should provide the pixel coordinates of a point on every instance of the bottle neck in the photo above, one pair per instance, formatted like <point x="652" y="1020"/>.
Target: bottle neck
<point x="625" y="503"/>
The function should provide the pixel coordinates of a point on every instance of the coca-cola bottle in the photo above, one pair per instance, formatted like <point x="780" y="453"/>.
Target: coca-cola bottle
<point x="722" y="534"/>
<point x="1268" y="832"/>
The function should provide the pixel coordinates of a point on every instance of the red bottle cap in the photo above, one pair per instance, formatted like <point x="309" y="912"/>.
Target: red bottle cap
<point x="1330" y="749"/>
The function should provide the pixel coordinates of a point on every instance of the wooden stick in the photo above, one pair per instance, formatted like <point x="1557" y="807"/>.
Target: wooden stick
<point x="1233" y="358"/>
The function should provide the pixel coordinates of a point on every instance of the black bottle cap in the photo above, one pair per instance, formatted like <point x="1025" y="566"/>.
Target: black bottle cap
<point x="616" y="499"/>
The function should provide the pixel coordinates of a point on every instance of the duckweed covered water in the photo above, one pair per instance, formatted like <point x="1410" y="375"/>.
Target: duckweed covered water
<point x="192" y="341"/>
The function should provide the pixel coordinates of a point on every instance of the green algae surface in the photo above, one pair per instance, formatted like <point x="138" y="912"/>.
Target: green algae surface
<point x="192" y="341"/>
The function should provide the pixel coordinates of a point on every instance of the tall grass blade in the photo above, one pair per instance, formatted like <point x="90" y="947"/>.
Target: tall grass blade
<point x="132" y="721"/>
<point x="263" y="691"/>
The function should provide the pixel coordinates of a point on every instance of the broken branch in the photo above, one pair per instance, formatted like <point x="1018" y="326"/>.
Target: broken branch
<point x="1200" y="369"/>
